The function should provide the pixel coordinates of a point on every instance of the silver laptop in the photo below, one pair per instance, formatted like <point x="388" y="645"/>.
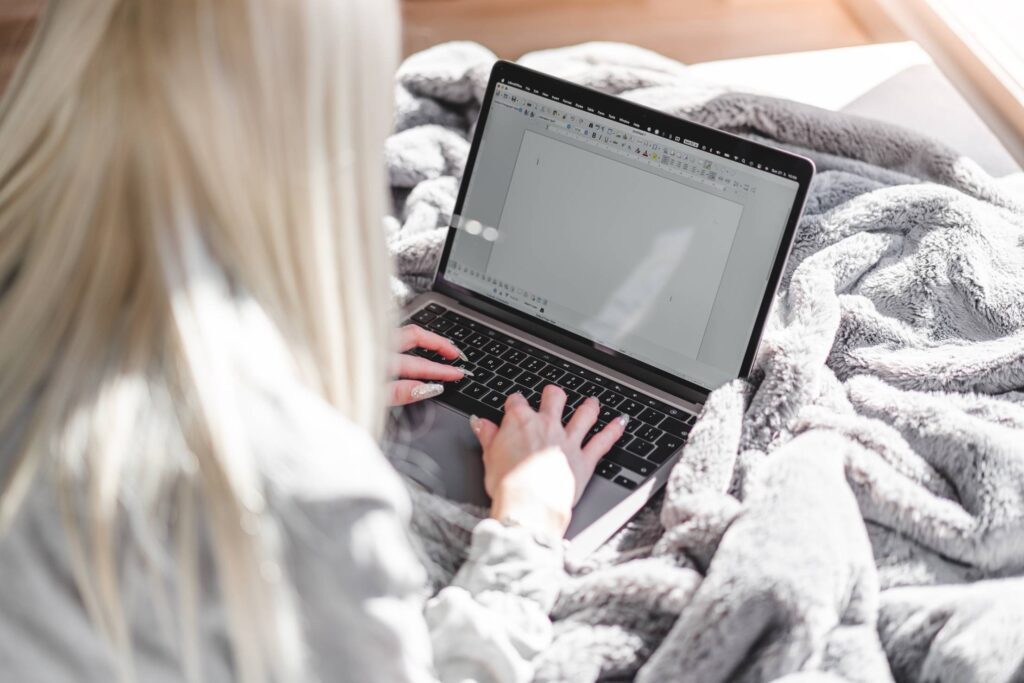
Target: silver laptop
<point x="613" y="250"/>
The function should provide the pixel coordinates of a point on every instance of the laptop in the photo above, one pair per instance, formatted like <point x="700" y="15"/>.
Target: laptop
<point x="610" y="249"/>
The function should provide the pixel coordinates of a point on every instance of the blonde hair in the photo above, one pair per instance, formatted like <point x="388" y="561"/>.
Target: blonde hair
<point x="187" y="185"/>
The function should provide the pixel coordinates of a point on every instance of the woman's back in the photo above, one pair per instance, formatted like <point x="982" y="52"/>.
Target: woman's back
<point x="189" y="199"/>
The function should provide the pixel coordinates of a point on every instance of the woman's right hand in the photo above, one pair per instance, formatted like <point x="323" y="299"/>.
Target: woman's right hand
<point x="535" y="469"/>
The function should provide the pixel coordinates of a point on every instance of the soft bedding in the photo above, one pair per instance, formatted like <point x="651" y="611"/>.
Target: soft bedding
<point x="855" y="510"/>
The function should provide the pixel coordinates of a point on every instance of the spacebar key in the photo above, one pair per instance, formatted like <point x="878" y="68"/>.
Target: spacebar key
<point x="630" y="462"/>
<point x="458" y="400"/>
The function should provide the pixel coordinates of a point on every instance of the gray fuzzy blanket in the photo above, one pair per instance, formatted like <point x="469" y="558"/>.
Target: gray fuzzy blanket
<point x="855" y="511"/>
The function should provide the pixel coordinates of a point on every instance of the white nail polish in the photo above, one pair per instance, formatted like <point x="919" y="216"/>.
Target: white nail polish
<point x="467" y="373"/>
<point x="424" y="391"/>
<point x="623" y="420"/>
<point x="463" y="357"/>
<point x="474" y="423"/>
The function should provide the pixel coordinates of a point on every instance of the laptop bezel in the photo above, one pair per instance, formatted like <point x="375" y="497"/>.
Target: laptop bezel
<point x="798" y="168"/>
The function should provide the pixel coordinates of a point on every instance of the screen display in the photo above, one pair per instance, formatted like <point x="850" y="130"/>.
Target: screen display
<point x="639" y="241"/>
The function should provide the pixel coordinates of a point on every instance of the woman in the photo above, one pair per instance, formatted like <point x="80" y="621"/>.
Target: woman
<point x="195" y="335"/>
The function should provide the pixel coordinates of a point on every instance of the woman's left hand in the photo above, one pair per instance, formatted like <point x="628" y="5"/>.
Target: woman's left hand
<point x="410" y="370"/>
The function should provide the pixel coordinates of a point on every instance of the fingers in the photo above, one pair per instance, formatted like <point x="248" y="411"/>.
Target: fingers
<point x="414" y="367"/>
<point x="552" y="401"/>
<point x="583" y="419"/>
<point x="603" y="441"/>
<point x="414" y="336"/>
<point x="484" y="430"/>
<point x="406" y="391"/>
<point x="516" y="404"/>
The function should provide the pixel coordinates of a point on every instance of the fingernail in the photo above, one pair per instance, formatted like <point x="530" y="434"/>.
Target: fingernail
<point x="463" y="357"/>
<point x="467" y="373"/>
<point x="427" y="391"/>
<point x="623" y="419"/>
<point x="474" y="423"/>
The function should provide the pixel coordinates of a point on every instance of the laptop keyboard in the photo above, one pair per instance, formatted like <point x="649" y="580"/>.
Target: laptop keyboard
<point x="502" y="365"/>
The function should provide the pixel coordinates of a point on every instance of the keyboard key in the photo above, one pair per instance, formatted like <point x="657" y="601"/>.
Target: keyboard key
<point x="640" y="447"/>
<point x="495" y="348"/>
<point x="659" y="456"/>
<point x="501" y="384"/>
<point x="473" y="354"/>
<point x="532" y="364"/>
<point x="534" y="400"/>
<point x="458" y="333"/>
<point x="482" y="374"/>
<point x="612" y="399"/>
<point x="514" y="356"/>
<point x="474" y="390"/>
<point x="630" y="461"/>
<point x="423" y="317"/>
<point x="489" y="362"/>
<point x="607" y="414"/>
<point x="440" y="325"/>
<point x="625" y="483"/>
<point x="571" y="381"/>
<point x="528" y="379"/>
<point x="551" y="373"/>
<point x="509" y="370"/>
<point x="606" y="469"/>
<point x="436" y="308"/>
<point x="665" y="448"/>
<point x="630" y="407"/>
<point x="478" y="340"/>
<point x="673" y="426"/>
<point x="648" y="433"/>
<point x="670" y="442"/>
<point x="650" y="416"/>
<point x="459" y="319"/>
<point x="633" y="425"/>
<point x="591" y="389"/>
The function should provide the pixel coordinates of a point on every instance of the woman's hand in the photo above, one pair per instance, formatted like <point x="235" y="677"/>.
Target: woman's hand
<point x="411" y="369"/>
<point x="535" y="469"/>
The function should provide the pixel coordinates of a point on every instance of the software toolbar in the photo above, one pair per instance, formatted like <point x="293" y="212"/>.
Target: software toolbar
<point x="712" y="169"/>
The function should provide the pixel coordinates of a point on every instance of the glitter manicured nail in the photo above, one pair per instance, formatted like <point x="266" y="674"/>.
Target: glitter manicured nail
<point x="426" y="391"/>
<point x="463" y="357"/>
<point x="474" y="423"/>
<point x="623" y="419"/>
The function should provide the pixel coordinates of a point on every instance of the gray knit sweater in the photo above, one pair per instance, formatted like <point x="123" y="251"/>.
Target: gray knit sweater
<point x="362" y="591"/>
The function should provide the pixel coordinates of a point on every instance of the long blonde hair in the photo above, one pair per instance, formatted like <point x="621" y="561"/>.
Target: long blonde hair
<point x="184" y="183"/>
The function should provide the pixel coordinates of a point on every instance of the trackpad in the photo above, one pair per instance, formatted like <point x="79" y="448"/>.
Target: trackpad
<point x="434" y="446"/>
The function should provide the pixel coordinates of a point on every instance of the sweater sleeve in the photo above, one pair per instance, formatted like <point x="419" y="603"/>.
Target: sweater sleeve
<point x="367" y="616"/>
<point x="493" y="620"/>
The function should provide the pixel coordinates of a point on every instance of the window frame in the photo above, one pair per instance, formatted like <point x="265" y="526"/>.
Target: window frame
<point x="962" y="53"/>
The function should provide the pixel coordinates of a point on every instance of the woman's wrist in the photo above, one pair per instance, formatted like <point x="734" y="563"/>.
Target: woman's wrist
<point x="526" y="511"/>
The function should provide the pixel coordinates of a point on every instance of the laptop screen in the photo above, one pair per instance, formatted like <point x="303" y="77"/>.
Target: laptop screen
<point x="646" y="243"/>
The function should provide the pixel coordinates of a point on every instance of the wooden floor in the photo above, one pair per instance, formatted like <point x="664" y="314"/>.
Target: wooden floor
<point x="17" y="18"/>
<point x="687" y="30"/>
